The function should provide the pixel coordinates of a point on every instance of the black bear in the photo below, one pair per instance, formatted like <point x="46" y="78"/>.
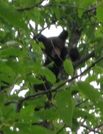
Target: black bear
<point x="74" y="54"/>
<point x="55" y="50"/>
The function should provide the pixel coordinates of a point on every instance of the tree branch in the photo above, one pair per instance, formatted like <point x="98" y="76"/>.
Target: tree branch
<point x="79" y="104"/>
<point x="30" y="7"/>
<point x="83" y="59"/>
<point x="61" y="129"/>
<point x="63" y="74"/>
<point x="34" y="96"/>
<point x="90" y="130"/>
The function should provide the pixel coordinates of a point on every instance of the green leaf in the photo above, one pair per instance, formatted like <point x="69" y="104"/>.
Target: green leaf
<point x="57" y="13"/>
<point x="49" y="75"/>
<point x="91" y="78"/>
<point x="84" y="4"/>
<point x="49" y="114"/>
<point x="10" y="52"/>
<point x="68" y="67"/>
<point x="33" y="80"/>
<point x="99" y="11"/>
<point x="89" y="91"/>
<point x="65" y="104"/>
<point x="80" y="113"/>
<point x="32" y="129"/>
<point x="90" y="32"/>
<point x="6" y="78"/>
<point x="5" y="68"/>
<point x="41" y="130"/>
<point x="80" y="12"/>
<point x="11" y="15"/>
<point x="92" y="94"/>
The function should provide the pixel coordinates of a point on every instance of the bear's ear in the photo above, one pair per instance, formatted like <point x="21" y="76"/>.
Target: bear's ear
<point x="63" y="35"/>
<point x="42" y="38"/>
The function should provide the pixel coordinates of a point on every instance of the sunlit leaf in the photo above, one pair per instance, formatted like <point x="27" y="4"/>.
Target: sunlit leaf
<point x="99" y="13"/>
<point x="68" y="67"/>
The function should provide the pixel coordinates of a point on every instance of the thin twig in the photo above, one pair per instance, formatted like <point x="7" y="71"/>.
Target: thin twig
<point x="19" y="105"/>
<point x="30" y="7"/>
<point x="77" y="105"/>
<point x="61" y="129"/>
<point x="95" y="128"/>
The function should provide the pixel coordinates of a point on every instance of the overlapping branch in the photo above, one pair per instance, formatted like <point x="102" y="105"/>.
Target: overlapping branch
<point x="30" y="7"/>
<point x="37" y="95"/>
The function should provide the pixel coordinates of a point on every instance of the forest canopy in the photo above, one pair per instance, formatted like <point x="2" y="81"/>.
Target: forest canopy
<point x="60" y="77"/>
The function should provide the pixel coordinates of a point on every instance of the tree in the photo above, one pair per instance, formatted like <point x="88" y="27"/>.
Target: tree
<point x="77" y="96"/>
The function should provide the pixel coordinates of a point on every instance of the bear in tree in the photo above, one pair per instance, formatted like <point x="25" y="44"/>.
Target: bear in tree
<point x="55" y="50"/>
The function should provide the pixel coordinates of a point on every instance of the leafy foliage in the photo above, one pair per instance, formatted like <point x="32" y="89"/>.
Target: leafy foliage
<point x="77" y="100"/>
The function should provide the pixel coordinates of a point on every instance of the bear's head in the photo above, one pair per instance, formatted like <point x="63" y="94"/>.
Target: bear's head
<point x="55" y="50"/>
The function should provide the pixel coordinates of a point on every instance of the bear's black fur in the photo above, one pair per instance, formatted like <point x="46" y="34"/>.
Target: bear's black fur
<point x="55" y="50"/>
